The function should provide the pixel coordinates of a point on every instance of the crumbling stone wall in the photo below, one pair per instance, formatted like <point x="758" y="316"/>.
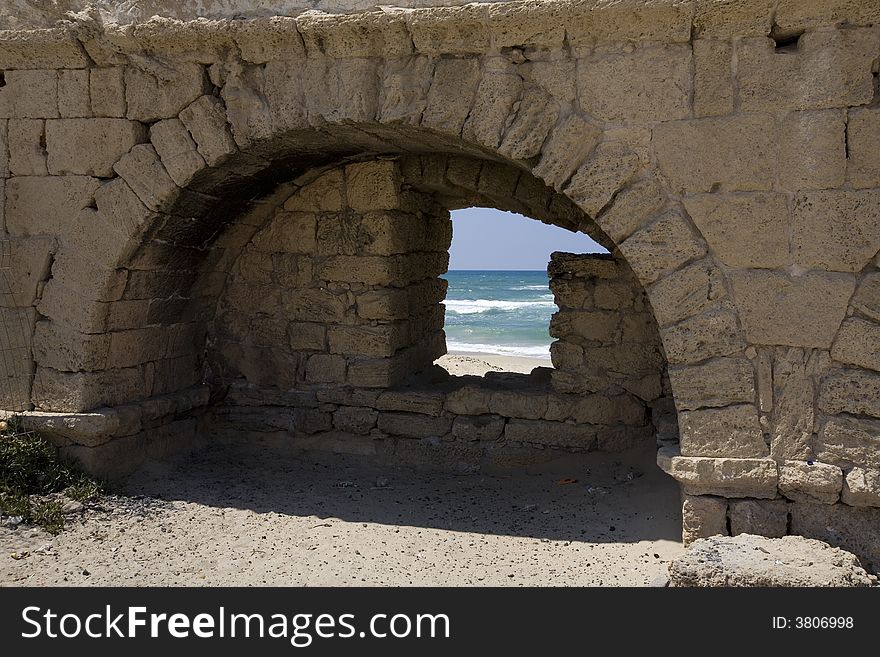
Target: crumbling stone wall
<point x="726" y="151"/>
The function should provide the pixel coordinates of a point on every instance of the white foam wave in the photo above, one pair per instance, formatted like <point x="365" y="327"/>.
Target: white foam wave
<point x="470" y="307"/>
<point x="529" y="287"/>
<point x="542" y="351"/>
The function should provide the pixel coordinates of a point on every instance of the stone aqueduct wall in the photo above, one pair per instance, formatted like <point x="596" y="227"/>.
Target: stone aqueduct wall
<point x="726" y="152"/>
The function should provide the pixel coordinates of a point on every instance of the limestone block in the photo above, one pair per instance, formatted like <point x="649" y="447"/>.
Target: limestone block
<point x="800" y="14"/>
<point x="26" y="264"/>
<point x="130" y="348"/>
<point x="386" y="372"/>
<point x="46" y="205"/>
<point x="89" y="147"/>
<point x="794" y="374"/>
<point x="527" y="24"/>
<point x="661" y="247"/>
<point x="713" y="77"/>
<point x="617" y="296"/>
<point x="324" y="194"/>
<point x="555" y="75"/>
<point x="73" y="93"/>
<point x="743" y="230"/>
<point x="849" y="442"/>
<point x="314" y="305"/>
<point x="149" y="98"/>
<point x="451" y="94"/>
<point x="325" y="368"/>
<point x="647" y="84"/>
<point x="567" y="147"/>
<point x="306" y="336"/>
<point x="551" y="434"/>
<point x="411" y="401"/>
<point x="861" y="487"/>
<point x="499" y="88"/>
<point x="450" y="30"/>
<point x="142" y="169"/>
<point x="527" y="404"/>
<point x="863" y="147"/>
<point x="600" y="326"/>
<point x="852" y="528"/>
<point x="4" y="154"/>
<point x="468" y="400"/>
<point x="761" y="517"/>
<point x="587" y="265"/>
<point x="718" y="382"/>
<point x="355" y="419"/>
<point x="702" y="516"/>
<point x="631" y="208"/>
<point x="827" y="69"/>
<point x="535" y="114"/>
<point x="27" y="147"/>
<point x="29" y="94"/>
<point x="729" y="18"/>
<point x="858" y="343"/>
<point x="289" y="232"/>
<point x="628" y="20"/>
<point x="812" y="152"/>
<point x="107" y="92"/>
<point x="177" y="150"/>
<point x="571" y="294"/>
<point x="743" y="156"/>
<point x="73" y="392"/>
<point x="205" y="118"/>
<point x="725" y="477"/>
<point x="835" y="230"/>
<point x="602" y="409"/>
<point x="604" y="173"/>
<point x="687" y="292"/>
<point x="383" y="340"/>
<point x="867" y="297"/>
<point x="810" y="481"/>
<point x="373" y="186"/>
<point x="724" y="432"/>
<point x="404" y="96"/>
<point x="800" y="311"/>
<point x="851" y="391"/>
<point x="397" y="270"/>
<point x="292" y="270"/>
<point x="478" y="427"/>
<point x="414" y="425"/>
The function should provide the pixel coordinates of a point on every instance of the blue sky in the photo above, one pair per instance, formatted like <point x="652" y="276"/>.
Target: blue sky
<point x="484" y="238"/>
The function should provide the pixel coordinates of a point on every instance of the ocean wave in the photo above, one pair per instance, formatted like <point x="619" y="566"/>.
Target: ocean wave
<point x="470" y="307"/>
<point x="529" y="287"/>
<point x="541" y="351"/>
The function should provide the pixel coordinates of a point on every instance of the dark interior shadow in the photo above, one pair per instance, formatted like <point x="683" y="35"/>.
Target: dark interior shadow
<point x="613" y="498"/>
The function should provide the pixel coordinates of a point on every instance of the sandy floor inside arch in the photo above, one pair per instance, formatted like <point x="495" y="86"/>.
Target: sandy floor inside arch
<point x="230" y="517"/>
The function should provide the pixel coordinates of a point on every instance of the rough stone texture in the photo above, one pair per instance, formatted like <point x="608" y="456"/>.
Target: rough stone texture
<point x="810" y="481"/>
<point x="861" y="487"/>
<point x="747" y="560"/>
<point x="703" y="516"/>
<point x="853" y="529"/>
<point x="762" y="517"/>
<point x="732" y="431"/>
<point x="725" y="477"/>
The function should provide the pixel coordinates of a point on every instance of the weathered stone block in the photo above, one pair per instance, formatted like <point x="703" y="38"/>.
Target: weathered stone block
<point x="451" y="94"/>
<point x="714" y="333"/>
<point x="863" y="147"/>
<point x="535" y="115"/>
<point x="724" y="432"/>
<point x="567" y="147"/>
<point x="89" y="147"/>
<point x="713" y="77"/>
<point x="518" y="403"/>
<point x="812" y="152"/>
<point x="411" y="401"/>
<point x="73" y="93"/>
<point x="849" y="442"/>
<point x="355" y="419"/>
<point x="325" y="368"/>
<point x="628" y="20"/>
<point x="29" y="94"/>
<point x="324" y="194"/>
<point x="800" y="311"/>
<point x="661" y="247"/>
<point x="205" y="118"/>
<point x="743" y="156"/>
<point x="719" y="382"/>
<point x="26" y="147"/>
<point x="650" y="83"/>
<point x="551" y="434"/>
<point x="142" y="169"/>
<point x="761" y="517"/>
<point x="702" y="516"/>
<point x="314" y="305"/>
<point x="306" y="336"/>
<point x="858" y="343"/>
<point x="63" y="348"/>
<point x="852" y="528"/>
<point x="810" y="481"/>
<point x="826" y="234"/>
<point x="177" y="150"/>
<point x="45" y="205"/>
<point x="414" y="425"/>
<point x="599" y="326"/>
<point x="72" y="392"/>
<point x="861" y="487"/>
<point x="743" y="230"/>
<point x="687" y="292"/>
<point x="631" y="209"/>
<point x="289" y="232"/>
<point x="468" y="400"/>
<point x="373" y="186"/>
<point x="792" y="422"/>
<point x="726" y="477"/>
<point x="826" y="69"/>
<point x="728" y="18"/>
<point x="383" y="340"/>
<point x="107" y="92"/>
<point x="605" y="172"/>
<point x="150" y="99"/>
<point x="867" y="297"/>
<point x="478" y="427"/>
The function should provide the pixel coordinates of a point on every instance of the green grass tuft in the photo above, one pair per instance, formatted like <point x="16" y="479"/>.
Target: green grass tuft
<point x="31" y="469"/>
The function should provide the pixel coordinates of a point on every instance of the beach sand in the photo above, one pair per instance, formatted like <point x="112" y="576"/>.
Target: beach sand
<point x="462" y="363"/>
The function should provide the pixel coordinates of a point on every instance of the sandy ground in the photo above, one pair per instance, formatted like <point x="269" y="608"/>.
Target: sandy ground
<point x="461" y="363"/>
<point x="235" y="517"/>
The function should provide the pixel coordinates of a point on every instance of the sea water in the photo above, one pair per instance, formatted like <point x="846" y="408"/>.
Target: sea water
<point x="499" y="312"/>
